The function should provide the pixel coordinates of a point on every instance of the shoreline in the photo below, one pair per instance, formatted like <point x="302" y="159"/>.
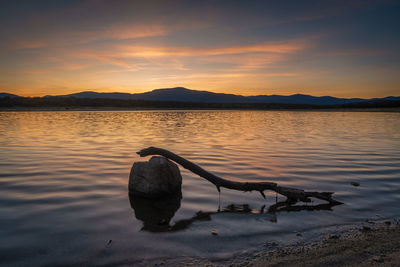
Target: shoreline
<point x="392" y="109"/>
<point x="372" y="243"/>
<point x="365" y="245"/>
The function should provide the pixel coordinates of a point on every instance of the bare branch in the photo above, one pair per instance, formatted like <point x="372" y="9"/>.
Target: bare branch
<point x="292" y="194"/>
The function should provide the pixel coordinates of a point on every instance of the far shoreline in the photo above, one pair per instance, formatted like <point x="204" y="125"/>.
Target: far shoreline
<point x="318" y="109"/>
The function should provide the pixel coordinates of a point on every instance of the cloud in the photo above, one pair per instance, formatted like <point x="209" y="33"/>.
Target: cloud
<point x="228" y="59"/>
<point x="76" y="38"/>
<point x="110" y="59"/>
<point x="240" y="58"/>
<point x="29" y="44"/>
<point x="154" y="51"/>
<point x="132" y="31"/>
<point x="233" y="75"/>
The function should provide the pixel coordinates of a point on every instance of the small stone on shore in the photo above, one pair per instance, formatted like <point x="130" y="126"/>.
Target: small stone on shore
<point x="333" y="237"/>
<point x="271" y="244"/>
<point x="365" y="228"/>
<point x="378" y="259"/>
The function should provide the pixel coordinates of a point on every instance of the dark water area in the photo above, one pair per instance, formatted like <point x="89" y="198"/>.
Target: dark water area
<point x="64" y="181"/>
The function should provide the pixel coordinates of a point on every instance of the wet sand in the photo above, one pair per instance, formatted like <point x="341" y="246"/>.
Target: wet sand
<point x="368" y="246"/>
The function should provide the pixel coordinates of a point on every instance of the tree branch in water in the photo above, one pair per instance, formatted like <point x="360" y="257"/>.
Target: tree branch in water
<point x="292" y="194"/>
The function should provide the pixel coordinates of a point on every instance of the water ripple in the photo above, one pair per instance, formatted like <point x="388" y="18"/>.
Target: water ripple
<point x="64" y="175"/>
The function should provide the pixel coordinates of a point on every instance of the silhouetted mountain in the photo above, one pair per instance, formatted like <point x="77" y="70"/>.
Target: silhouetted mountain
<point x="303" y="99"/>
<point x="7" y="95"/>
<point x="169" y="94"/>
<point x="93" y="95"/>
<point x="181" y="94"/>
<point x="186" y="95"/>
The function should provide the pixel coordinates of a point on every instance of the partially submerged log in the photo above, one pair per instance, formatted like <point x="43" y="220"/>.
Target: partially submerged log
<point x="292" y="194"/>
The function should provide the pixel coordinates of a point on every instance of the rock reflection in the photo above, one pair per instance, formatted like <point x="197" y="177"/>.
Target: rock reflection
<point x="156" y="214"/>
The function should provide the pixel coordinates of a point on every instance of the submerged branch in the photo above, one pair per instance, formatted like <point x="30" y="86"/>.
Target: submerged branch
<point x="292" y="194"/>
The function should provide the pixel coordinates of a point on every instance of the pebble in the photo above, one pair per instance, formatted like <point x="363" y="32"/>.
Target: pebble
<point x="271" y="244"/>
<point x="377" y="259"/>
<point x="214" y="232"/>
<point x="298" y="234"/>
<point x="365" y="228"/>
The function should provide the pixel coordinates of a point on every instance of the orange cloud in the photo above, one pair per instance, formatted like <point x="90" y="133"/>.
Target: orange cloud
<point x="133" y="31"/>
<point x="152" y="51"/>
<point x="111" y="59"/>
<point x="207" y="76"/>
<point x="28" y="44"/>
<point x="114" y="32"/>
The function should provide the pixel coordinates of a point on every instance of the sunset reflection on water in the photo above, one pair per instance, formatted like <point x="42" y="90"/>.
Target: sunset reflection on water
<point x="64" y="175"/>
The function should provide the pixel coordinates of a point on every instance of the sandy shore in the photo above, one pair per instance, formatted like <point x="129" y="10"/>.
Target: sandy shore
<point x="367" y="244"/>
<point x="375" y="245"/>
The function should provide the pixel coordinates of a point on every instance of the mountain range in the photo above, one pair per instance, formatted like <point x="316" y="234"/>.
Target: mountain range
<point x="2" y="95"/>
<point x="180" y="94"/>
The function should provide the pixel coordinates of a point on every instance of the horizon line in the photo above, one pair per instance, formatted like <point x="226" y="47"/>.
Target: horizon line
<point x="166" y="88"/>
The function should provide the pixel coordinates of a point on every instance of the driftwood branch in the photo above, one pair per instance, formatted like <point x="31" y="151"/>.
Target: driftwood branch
<point x="292" y="194"/>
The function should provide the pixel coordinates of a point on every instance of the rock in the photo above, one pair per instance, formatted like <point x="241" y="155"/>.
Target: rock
<point x="378" y="259"/>
<point x="333" y="237"/>
<point x="388" y="223"/>
<point x="155" y="178"/>
<point x="355" y="184"/>
<point x="214" y="232"/>
<point x="365" y="228"/>
<point x="271" y="244"/>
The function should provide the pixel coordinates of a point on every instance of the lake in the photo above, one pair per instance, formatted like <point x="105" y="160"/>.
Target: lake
<point x="64" y="181"/>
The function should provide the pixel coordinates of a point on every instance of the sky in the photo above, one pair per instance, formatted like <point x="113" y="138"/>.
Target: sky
<point x="337" y="48"/>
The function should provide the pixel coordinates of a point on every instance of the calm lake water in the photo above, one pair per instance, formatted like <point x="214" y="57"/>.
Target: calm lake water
<point x="64" y="181"/>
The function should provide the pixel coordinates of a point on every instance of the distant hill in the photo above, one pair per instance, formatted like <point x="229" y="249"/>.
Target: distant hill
<point x="2" y="95"/>
<point x="180" y="94"/>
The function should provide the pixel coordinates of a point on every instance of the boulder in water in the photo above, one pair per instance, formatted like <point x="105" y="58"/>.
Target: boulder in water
<point x="155" y="178"/>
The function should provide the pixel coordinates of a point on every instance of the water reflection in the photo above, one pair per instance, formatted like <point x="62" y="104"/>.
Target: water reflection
<point x="156" y="214"/>
<point x="290" y="206"/>
<point x="66" y="174"/>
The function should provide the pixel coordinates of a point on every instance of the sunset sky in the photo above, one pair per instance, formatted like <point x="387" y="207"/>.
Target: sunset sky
<point x="338" y="48"/>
